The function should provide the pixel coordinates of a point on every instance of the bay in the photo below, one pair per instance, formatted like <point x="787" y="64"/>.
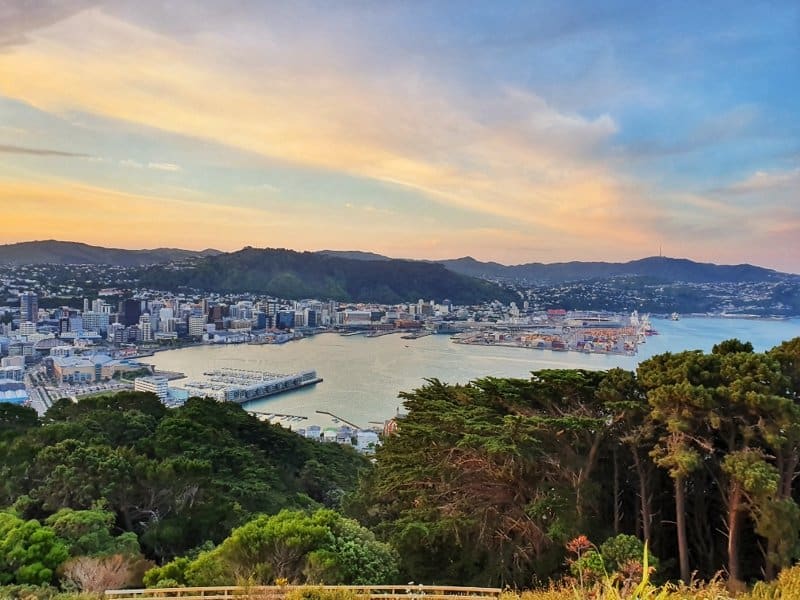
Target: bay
<point x="363" y="376"/>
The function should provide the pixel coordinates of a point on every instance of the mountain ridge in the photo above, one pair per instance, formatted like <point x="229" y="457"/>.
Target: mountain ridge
<point x="65" y="252"/>
<point x="289" y="274"/>
<point x="657" y="267"/>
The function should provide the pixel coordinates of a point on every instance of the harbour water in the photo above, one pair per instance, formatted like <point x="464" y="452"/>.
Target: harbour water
<point x="363" y="376"/>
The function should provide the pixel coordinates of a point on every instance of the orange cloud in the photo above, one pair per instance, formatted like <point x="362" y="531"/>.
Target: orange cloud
<point x="534" y="167"/>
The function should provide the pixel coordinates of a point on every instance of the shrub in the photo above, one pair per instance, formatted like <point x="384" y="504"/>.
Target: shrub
<point x="97" y="574"/>
<point x="319" y="593"/>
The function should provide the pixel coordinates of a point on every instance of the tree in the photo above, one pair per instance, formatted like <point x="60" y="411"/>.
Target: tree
<point x="748" y="398"/>
<point x="87" y="533"/>
<point x="322" y="547"/>
<point x="627" y="402"/>
<point x="29" y="552"/>
<point x="15" y="419"/>
<point x="680" y="402"/>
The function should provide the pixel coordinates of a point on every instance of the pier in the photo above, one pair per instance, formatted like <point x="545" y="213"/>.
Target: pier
<point x="170" y="375"/>
<point x="279" y="416"/>
<point x="240" y="386"/>
<point x="333" y="416"/>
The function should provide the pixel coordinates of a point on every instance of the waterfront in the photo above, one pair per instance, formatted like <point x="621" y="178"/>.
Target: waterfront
<point x="363" y="376"/>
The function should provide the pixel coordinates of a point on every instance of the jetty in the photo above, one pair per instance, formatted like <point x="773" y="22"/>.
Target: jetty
<point x="240" y="386"/>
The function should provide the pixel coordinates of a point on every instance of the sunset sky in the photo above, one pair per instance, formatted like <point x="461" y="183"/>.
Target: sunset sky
<point x="509" y="131"/>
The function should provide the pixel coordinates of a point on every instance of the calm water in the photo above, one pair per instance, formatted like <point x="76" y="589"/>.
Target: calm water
<point x="363" y="376"/>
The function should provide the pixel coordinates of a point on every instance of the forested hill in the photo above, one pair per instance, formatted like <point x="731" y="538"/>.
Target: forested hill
<point x="176" y="478"/>
<point x="657" y="267"/>
<point x="290" y="274"/>
<point x="74" y="253"/>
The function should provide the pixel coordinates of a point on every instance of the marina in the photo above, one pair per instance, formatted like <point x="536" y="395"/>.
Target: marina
<point x="240" y="385"/>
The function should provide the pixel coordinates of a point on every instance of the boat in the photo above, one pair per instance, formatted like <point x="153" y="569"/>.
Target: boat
<point x="675" y="316"/>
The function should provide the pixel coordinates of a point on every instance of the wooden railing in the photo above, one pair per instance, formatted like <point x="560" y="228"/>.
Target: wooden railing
<point x="363" y="592"/>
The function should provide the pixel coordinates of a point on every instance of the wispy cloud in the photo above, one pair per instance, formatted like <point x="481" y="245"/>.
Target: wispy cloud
<point x="769" y="181"/>
<point x="558" y="125"/>
<point x="20" y="18"/>
<point x="6" y="149"/>
<point x="161" y="166"/>
<point x="509" y="154"/>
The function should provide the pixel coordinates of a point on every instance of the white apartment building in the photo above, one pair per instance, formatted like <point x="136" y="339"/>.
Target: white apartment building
<point x="155" y="384"/>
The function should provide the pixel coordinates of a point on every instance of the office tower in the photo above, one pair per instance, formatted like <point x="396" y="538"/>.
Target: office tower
<point x="28" y="307"/>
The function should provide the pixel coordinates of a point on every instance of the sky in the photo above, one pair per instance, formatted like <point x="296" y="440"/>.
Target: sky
<point x="508" y="131"/>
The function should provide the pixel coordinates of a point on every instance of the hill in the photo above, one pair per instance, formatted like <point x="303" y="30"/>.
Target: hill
<point x="354" y="254"/>
<point x="289" y="274"/>
<point x="75" y="253"/>
<point x="656" y="267"/>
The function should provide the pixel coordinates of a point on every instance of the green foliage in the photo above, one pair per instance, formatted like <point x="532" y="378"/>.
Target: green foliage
<point x="172" y="574"/>
<point x="589" y="567"/>
<point x="750" y="469"/>
<point x="173" y="478"/>
<point x="322" y="547"/>
<point x="29" y="552"/>
<point x="42" y="592"/>
<point x="15" y="420"/>
<point x="318" y="593"/>
<point x="211" y="568"/>
<point x="89" y="533"/>
<point x="288" y="274"/>
<point x="621" y="549"/>
<point x="732" y="347"/>
<point x="484" y="481"/>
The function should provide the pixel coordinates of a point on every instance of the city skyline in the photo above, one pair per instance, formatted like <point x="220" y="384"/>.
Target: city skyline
<point x="516" y="132"/>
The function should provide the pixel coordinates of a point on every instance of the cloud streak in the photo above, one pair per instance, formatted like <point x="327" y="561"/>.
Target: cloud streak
<point x="7" y="149"/>
<point x="525" y="162"/>
<point x="446" y="119"/>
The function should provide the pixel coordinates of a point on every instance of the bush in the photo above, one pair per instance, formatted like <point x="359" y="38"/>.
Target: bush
<point x="786" y="587"/>
<point x="97" y="574"/>
<point x="620" y="550"/>
<point x="41" y="592"/>
<point x="319" y="593"/>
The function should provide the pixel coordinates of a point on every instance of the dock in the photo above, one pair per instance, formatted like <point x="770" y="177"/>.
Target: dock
<point x="337" y="418"/>
<point x="170" y="375"/>
<point x="240" y="386"/>
<point x="279" y="416"/>
<point x="416" y="335"/>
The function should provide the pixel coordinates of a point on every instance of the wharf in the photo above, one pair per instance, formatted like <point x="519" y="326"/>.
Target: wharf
<point x="240" y="386"/>
<point x="416" y="335"/>
<point x="373" y="334"/>
<point x="278" y="416"/>
<point x="170" y="375"/>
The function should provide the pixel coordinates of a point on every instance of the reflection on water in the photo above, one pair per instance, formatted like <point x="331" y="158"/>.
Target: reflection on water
<point x="363" y="376"/>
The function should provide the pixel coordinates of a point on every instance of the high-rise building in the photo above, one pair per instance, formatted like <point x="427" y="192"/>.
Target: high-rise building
<point x="284" y="319"/>
<point x="116" y="333"/>
<point x="129" y="312"/>
<point x="28" y="307"/>
<point x="145" y="327"/>
<point x="95" y="321"/>
<point x="155" y="384"/>
<point x="27" y="328"/>
<point x="196" y="325"/>
<point x="101" y="306"/>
